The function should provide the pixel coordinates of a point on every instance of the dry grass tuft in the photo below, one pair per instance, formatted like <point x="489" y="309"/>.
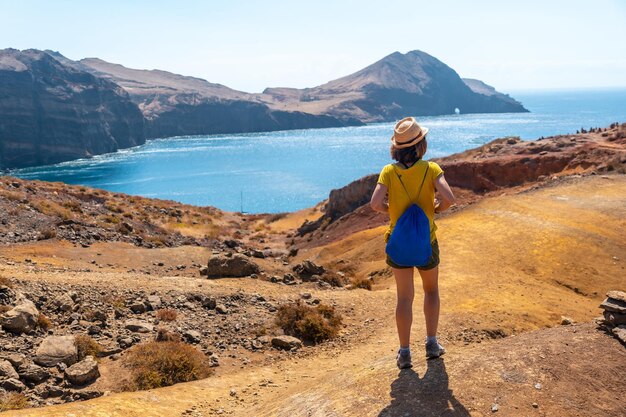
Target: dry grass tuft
<point x="86" y="346"/>
<point x="160" y="364"/>
<point x="166" y="314"/>
<point x="313" y="324"/>
<point x="6" y="282"/>
<point x="43" y="322"/>
<point x="364" y="283"/>
<point x="13" y="401"/>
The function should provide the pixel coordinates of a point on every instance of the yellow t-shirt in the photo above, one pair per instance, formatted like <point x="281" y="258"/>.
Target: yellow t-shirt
<point x="412" y="178"/>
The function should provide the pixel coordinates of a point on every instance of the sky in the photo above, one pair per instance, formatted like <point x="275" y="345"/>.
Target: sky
<point x="251" y="45"/>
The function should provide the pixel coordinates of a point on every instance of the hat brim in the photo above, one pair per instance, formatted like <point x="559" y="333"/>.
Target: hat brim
<point x="412" y="142"/>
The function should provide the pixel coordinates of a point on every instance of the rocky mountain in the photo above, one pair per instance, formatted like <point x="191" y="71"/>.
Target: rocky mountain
<point x="52" y="112"/>
<point x="176" y="105"/>
<point x="53" y="109"/>
<point x="414" y="83"/>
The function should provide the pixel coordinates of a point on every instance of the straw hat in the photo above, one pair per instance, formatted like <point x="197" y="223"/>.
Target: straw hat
<point x="407" y="132"/>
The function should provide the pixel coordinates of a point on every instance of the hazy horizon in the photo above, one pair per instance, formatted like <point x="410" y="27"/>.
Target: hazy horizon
<point x="572" y="45"/>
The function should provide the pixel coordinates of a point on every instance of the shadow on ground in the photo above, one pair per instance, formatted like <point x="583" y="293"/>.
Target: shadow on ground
<point x="428" y="396"/>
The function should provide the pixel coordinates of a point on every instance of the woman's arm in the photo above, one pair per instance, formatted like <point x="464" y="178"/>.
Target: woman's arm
<point x="445" y="193"/>
<point x="378" y="199"/>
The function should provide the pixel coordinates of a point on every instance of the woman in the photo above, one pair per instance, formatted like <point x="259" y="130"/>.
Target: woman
<point x="420" y="180"/>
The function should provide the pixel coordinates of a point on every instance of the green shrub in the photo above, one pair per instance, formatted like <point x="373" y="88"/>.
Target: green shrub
<point x="313" y="324"/>
<point x="160" y="364"/>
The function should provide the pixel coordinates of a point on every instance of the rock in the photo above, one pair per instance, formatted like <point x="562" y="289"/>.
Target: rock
<point x="494" y="408"/>
<point x="286" y="342"/>
<point x="307" y="269"/>
<point x="99" y="316"/>
<point x="257" y="254"/>
<point x="56" y="349"/>
<point x="616" y="306"/>
<point x="235" y="266"/>
<point x="214" y="360"/>
<point x="22" y="318"/>
<point x="138" y="326"/>
<point x="620" y="333"/>
<point x="33" y="373"/>
<point x="614" y="319"/>
<point x="84" y="394"/>
<point x="209" y="303"/>
<point x="16" y="359"/>
<point x="94" y="329"/>
<point x="617" y="295"/>
<point x="204" y="271"/>
<point x="166" y="335"/>
<point x="138" y="307"/>
<point x="7" y="370"/>
<point x="63" y="302"/>
<point x="231" y="243"/>
<point x="12" y="384"/>
<point x="84" y="372"/>
<point x="49" y="391"/>
<point x="566" y="321"/>
<point x="192" y="336"/>
<point x="154" y="302"/>
<point x="221" y="308"/>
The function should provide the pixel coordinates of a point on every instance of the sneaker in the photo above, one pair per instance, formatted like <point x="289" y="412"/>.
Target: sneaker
<point x="434" y="350"/>
<point x="404" y="360"/>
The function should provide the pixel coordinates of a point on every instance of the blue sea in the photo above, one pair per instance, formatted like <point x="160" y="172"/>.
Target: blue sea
<point x="290" y="170"/>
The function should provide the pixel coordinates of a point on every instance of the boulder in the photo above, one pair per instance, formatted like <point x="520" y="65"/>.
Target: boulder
<point x="286" y="342"/>
<point x="22" y="318"/>
<point x="33" y="373"/>
<point x="7" y="370"/>
<point x="234" y="266"/>
<point x="56" y="349"/>
<point x="84" y="372"/>
<point x="139" y="326"/>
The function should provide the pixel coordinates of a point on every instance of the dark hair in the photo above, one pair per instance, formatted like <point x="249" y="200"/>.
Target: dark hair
<point x="410" y="155"/>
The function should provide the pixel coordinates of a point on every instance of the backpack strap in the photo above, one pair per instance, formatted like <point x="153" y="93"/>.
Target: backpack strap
<point x="421" y="185"/>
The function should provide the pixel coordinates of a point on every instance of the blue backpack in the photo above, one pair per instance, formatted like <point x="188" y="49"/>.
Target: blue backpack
<point x="409" y="243"/>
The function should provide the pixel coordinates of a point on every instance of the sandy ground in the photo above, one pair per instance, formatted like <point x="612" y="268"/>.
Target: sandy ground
<point x="511" y="266"/>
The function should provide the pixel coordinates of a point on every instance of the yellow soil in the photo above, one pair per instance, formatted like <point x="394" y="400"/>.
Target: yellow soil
<point x="512" y="264"/>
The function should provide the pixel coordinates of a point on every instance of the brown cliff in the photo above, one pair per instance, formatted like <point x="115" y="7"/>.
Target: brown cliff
<point x="51" y="112"/>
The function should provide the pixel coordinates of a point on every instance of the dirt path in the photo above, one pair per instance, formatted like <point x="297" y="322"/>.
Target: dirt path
<point x="511" y="265"/>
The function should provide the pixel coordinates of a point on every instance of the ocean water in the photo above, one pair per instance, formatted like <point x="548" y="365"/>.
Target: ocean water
<point x="290" y="170"/>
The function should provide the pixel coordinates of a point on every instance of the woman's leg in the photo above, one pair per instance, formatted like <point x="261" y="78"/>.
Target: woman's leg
<point x="404" y="307"/>
<point x="430" y="283"/>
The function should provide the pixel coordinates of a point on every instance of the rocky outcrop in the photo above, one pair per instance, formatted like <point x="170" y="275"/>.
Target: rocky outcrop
<point x="51" y="112"/>
<point x="614" y="307"/>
